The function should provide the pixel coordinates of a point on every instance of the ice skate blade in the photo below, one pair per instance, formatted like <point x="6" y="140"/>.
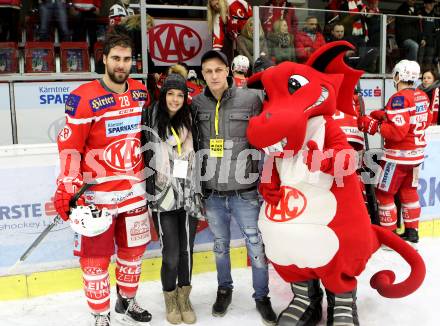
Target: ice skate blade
<point x="124" y="319"/>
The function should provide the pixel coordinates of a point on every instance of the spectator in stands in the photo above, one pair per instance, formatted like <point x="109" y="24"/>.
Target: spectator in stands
<point x="9" y="20"/>
<point x="245" y="41"/>
<point x="84" y="15"/>
<point x="431" y="86"/>
<point x="337" y="33"/>
<point x="270" y="15"/>
<point x="429" y="30"/>
<point x="374" y="29"/>
<point x="407" y="30"/>
<point x="226" y="19"/>
<point x="280" y="42"/>
<point x="356" y="32"/>
<point x="308" y="40"/>
<point x="119" y="11"/>
<point x="50" y="11"/>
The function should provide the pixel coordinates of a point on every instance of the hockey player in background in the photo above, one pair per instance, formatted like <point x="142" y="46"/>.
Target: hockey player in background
<point x="402" y="124"/>
<point x="240" y="67"/>
<point x="101" y="138"/>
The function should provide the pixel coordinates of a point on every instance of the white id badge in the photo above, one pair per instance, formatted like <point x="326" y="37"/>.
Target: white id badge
<point x="180" y="169"/>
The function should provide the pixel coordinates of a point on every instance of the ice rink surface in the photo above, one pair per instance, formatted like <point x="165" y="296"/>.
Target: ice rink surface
<point x="420" y="308"/>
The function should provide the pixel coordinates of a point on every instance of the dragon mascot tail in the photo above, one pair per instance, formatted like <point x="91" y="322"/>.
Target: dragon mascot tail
<point x="383" y="281"/>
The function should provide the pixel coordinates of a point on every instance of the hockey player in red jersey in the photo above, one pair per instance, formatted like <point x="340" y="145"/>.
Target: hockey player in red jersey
<point x="101" y="138"/>
<point x="402" y="124"/>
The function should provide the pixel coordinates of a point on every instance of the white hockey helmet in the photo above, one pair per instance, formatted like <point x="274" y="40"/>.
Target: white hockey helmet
<point x="240" y="64"/>
<point x="192" y="74"/>
<point x="406" y="71"/>
<point x="89" y="220"/>
<point x="117" y="11"/>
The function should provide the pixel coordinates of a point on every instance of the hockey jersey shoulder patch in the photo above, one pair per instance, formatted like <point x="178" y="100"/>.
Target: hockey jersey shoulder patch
<point x="398" y="102"/>
<point x="72" y="104"/>
<point x="102" y="102"/>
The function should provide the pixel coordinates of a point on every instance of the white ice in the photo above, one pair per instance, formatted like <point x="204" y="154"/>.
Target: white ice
<point x="420" y="308"/>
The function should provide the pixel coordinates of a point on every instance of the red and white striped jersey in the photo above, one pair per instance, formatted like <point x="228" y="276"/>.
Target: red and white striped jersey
<point x="407" y="117"/>
<point x="348" y="124"/>
<point x="435" y="101"/>
<point x="102" y="138"/>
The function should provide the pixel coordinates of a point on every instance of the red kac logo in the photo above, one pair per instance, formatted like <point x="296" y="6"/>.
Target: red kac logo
<point x="173" y="43"/>
<point x="123" y="154"/>
<point x="292" y="204"/>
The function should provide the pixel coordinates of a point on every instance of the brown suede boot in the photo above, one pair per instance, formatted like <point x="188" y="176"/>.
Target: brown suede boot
<point x="172" y="309"/>
<point x="188" y="315"/>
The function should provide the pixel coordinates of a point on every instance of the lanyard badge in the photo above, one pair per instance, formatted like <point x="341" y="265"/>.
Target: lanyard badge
<point x="180" y="168"/>
<point x="216" y="145"/>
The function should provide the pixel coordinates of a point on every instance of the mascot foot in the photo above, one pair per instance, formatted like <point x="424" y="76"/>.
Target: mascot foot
<point x="342" y="309"/>
<point x="305" y="308"/>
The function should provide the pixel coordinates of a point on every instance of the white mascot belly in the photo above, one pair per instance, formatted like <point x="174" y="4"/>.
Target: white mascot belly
<point x="296" y="231"/>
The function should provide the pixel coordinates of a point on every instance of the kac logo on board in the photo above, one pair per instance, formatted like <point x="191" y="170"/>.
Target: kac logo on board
<point x="173" y="43"/>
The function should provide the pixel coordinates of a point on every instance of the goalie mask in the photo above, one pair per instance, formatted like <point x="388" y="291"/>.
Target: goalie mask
<point x="89" y="220"/>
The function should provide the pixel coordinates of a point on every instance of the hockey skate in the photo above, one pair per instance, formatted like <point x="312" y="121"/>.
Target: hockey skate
<point x="305" y="308"/>
<point x="128" y="312"/>
<point x="411" y="236"/>
<point x="102" y="319"/>
<point x="342" y="309"/>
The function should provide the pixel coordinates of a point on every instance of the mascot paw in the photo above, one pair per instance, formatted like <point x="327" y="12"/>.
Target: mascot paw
<point x="315" y="159"/>
<point x="271" y="193"/>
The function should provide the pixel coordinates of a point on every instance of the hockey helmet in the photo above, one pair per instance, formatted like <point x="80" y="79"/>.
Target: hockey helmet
<point x="89" y="220"/>
<point x="192" y="75"/>
<point x="117" y="11"/>
<point x="240" y="64"/>
<point x="406" y="71"/>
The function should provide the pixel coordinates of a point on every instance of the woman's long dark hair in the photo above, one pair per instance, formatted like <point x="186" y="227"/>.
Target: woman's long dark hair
<point x="182" y="118"/>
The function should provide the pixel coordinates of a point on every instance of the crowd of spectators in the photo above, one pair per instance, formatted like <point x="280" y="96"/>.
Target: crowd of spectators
<point x="285" y="33"/>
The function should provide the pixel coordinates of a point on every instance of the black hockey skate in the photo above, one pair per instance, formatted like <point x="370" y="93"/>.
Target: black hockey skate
<point x="411" y="236"/>
<point x="100" y="319"/>
<point x="342" y="309"/>
<point x="305" y="309"/>
<point x="129" y="312"/>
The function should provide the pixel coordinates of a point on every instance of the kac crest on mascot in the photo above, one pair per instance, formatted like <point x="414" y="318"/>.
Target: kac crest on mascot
<point x="314" y="222"/>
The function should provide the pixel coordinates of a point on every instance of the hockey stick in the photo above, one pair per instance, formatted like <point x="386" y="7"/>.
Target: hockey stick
<point x="58" y="219"/>
<point x="370" y="193"/>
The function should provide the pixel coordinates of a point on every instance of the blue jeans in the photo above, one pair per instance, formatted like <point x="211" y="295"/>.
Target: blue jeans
<point x="244" y="207"/>
<point x="411" y="47"/>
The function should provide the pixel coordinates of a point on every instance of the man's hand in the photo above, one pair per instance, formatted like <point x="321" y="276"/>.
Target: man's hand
<point x="368" y="124"/>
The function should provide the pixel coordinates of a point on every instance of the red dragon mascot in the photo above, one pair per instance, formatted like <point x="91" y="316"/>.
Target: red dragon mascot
<point x="314" y="223"/>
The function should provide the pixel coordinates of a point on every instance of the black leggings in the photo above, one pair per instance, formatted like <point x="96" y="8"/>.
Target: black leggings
<point x="174" y="229"/>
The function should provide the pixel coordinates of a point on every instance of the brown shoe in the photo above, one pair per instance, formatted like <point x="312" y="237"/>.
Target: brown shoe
<point x="186" y="310"/>
<point x="172" y="309"/>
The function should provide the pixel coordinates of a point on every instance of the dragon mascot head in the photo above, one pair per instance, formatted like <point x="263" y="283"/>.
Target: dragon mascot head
<point x="314" y="222"/>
